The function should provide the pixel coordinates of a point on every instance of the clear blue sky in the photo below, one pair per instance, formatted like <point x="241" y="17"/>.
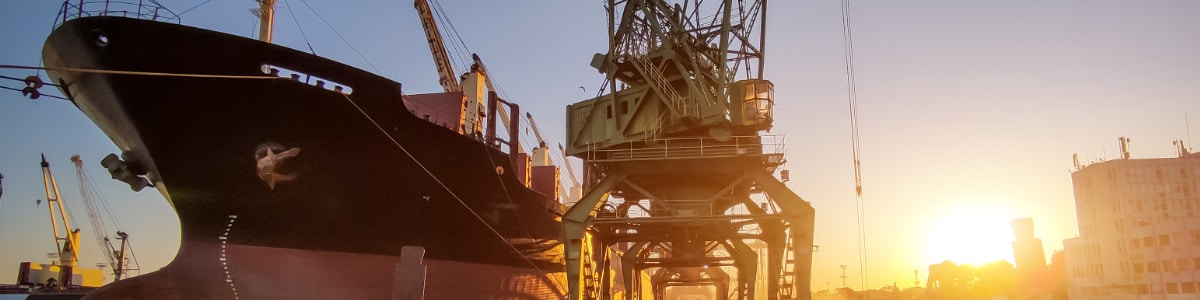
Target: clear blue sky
<point x="966" y="108"/>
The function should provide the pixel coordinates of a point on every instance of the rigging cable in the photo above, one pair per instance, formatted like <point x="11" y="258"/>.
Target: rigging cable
<point x="445" y="18"/>
<point x="442" y="184"/>
<point x="360" y="55"/>
<point x="119" y="72"/>
<point x="297" y="21"/>
<point x="507" y="196"/>
<point x="194" y="7"/>
<point x="852" y="98"/>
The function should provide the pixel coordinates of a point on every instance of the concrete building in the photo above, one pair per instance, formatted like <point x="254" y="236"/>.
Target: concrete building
<point x="1139" y="228"/>
<point x="1030" y="258"/>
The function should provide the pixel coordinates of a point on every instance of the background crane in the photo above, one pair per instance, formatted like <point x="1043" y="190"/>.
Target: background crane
<point x="120" y="259"/>
<point x="66" y="244"/>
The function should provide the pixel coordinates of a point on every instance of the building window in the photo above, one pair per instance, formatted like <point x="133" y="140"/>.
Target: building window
<point x="1152" y="267"/>
<point x="1164" y="240"/>
<point x="1172" y="288"/>
<point x="1137" y="244"/>
<point x="1188" y="287"/>
<point x="1143" y="289"/>
<point x="1138" y="268"/>
<point x="1148" y="241"/>
<point x="1183" y="264"/>
<point x="1168" y="266"/>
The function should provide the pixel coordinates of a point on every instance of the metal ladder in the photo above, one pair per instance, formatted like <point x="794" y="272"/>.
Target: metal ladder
<point x="787" y="276"/>
<point x="678" y="103"/>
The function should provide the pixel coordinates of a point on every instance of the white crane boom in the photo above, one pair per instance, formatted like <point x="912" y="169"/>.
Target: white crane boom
<point x="116" y="258"/>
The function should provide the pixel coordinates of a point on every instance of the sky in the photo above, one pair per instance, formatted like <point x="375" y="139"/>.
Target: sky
<point x="969" y="111"/>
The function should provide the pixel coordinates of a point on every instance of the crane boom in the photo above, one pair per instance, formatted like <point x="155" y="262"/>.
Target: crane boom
<point x="116" y="258"/>
<point x="570" y="169"/>
<point x="67" y="245"/>
<point x="536" y="132"/>
<point x="441" y="59"/>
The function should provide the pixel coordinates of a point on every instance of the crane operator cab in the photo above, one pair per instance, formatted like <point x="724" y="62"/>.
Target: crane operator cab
<point x="754" y="99"/>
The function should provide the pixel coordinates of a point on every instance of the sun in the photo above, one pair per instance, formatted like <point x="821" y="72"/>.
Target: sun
<point x="976" y="232"/>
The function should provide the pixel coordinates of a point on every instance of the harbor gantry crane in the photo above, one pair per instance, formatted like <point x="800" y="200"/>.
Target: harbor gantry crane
<point x="678" y="173"/>
<point x="120" y="259"/>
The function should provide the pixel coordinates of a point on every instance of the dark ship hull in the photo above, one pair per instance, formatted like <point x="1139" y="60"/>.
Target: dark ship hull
<point x="292" y="189"/>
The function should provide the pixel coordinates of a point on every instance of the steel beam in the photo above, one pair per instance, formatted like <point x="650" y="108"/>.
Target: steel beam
<point x="575" y="222"/>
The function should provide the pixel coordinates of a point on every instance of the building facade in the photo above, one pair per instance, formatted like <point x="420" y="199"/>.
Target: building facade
<point x="1030" y="258"/>
<point x="1139" y="229"/>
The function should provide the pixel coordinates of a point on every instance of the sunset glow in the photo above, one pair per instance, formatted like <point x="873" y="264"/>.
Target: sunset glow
<point x="977" y="232"/>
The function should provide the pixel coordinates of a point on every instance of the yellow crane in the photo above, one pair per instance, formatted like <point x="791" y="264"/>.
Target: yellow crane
<point x="437" y="47"/>
<point x="473" y="83"/>
<point x="65" y="272"/>
<point x="66" y="244"/>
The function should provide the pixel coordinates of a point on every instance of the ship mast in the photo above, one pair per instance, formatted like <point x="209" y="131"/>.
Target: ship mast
<point x="266" y="16"/>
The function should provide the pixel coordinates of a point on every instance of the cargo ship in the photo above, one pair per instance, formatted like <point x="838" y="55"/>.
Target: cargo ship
<point x="297" y="177"/>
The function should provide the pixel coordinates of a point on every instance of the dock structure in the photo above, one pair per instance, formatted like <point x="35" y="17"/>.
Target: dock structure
<point x="680" y="179"/>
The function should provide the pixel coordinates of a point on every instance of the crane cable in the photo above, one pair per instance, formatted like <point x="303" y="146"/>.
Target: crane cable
<point x="460" y="59"/>
<point x="852" y="98"/>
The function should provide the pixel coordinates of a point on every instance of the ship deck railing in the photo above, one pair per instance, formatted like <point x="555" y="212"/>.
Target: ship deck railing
<point x="769" y="146"/>
<point x="138" y="9"/>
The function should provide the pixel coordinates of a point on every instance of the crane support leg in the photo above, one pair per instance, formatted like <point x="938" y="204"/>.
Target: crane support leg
<point x="629" y="271"/>
<point x="801" y="215"/>
<point x="747" y="266"/>
<point x="574" y="226"/>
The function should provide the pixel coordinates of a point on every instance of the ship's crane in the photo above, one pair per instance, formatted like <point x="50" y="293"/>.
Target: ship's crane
<point x="576" y="188"/>
<point x="121" y="259"/>
<point x="569" y="195"/>
<point x="450" y="82"/>
<point x="437" y="47"/>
